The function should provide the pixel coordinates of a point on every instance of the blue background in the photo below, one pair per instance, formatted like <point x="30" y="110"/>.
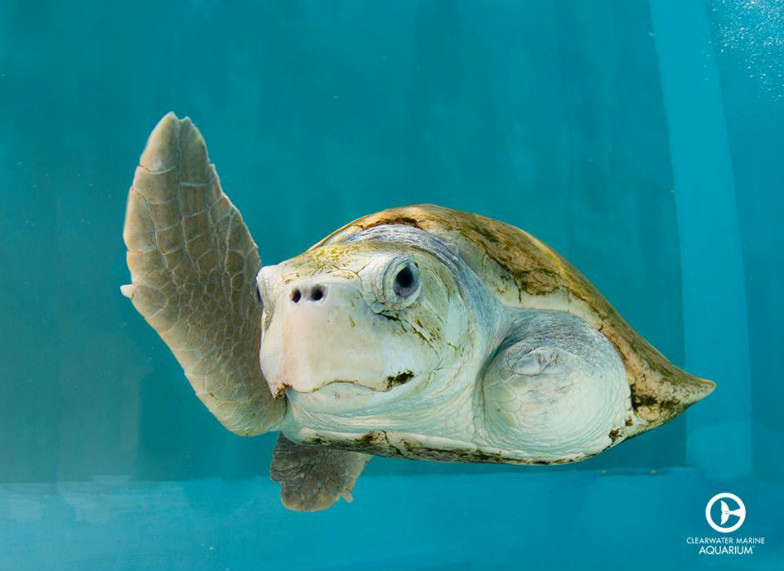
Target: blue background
<point x="641" y="139"/>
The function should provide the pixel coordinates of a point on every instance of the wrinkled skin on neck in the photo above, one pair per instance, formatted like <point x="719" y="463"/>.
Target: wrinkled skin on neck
<point x="369" y="336"/>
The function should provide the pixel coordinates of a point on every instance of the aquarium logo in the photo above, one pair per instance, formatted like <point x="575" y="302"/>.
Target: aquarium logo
<point x="725" y="513"/>
<point x="731" y="512"/>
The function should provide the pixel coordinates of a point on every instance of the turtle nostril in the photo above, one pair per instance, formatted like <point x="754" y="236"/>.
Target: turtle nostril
<point x="317" y="293"/>
<point x="296" y="295"/>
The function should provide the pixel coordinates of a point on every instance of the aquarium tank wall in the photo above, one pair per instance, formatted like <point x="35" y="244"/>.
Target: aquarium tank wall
<point x="642" y="140"/>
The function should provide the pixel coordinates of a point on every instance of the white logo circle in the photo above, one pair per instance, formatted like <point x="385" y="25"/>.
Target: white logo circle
<point x="728" y="511"/>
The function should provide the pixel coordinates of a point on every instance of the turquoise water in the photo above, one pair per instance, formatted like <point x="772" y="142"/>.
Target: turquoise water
<point x="641" y="139"/>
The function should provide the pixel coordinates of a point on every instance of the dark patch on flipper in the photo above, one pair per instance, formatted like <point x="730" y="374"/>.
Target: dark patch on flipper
<point x="313" y="478"/>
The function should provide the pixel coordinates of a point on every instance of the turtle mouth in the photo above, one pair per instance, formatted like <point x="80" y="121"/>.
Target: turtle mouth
<point x="389" y="383"/>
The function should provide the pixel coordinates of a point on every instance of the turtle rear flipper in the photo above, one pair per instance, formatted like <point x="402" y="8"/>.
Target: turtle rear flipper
<point x="193" y="266"/>
<point x="313" y="478"/>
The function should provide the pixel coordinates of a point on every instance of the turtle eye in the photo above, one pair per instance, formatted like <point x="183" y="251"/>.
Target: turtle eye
<point x="399" y="283"/>
<point x="406" y="281"/>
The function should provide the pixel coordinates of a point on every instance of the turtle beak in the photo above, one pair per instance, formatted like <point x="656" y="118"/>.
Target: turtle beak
<point x="320" y="331"/>
<point x="277" y="388"/>
<point x="300" y="330"/>
<point x="266" y="281"/>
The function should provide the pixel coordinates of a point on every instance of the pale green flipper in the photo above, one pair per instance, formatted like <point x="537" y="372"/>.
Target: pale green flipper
<point x="193" y="266"/>
<point x="313" y="477"/>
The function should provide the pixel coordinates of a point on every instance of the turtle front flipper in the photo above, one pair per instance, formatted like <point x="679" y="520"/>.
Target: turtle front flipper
<point x="193" y="266"/>
<point x="313" y="478"/>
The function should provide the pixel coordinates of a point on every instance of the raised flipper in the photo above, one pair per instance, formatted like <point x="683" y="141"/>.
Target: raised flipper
<point x="556" y="390"/>
<point x="313" y="478"/>
<point x="193" y="266"/>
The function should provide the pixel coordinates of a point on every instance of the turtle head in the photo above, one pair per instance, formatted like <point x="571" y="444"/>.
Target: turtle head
<point x="353" y="326"/>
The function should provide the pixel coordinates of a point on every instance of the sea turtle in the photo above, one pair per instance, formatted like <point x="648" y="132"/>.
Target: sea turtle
<point x="418" y="332"/>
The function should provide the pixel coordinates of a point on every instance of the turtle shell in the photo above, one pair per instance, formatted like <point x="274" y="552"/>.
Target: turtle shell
<point x="524" y="272"/>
